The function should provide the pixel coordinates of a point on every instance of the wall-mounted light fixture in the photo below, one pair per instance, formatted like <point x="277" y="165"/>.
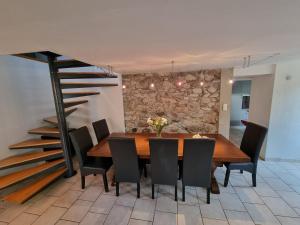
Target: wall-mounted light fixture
<point x="201" y="83"/>
<point x="124" y="86"/>
<point x="230" y="81"/>
<point x="152" y="85"/>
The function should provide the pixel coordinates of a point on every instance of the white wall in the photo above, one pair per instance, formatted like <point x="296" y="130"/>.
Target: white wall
<point x="260" y="103"/>
<point x="284" y="130"/>
<point x="26" y="98"/>
<point x="225" y="98"/>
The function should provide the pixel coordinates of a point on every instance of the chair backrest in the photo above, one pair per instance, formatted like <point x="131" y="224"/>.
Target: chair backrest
<point x="101" y="129"/>
<point x="197" y="160"/>
<point x="125" y="159"/>
<point x="252" y="140"/>
<point x="164" y="160"/>
<point x="82" y="142"/>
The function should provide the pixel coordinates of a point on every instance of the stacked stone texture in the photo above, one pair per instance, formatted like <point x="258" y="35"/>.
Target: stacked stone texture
<point x="189" y="107"/>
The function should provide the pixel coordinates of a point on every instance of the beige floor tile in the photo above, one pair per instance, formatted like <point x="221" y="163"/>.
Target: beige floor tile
<point x="297" y="210"/>
<point x="207" y="221"/>
<point x="77" y="211"/>
<point x="191" y="196"/>
<point x="292" y="198"/>
<point x="238" y="218"/>
<point x="162" y="218"/>
<point x="65" y="222"/>
<point x="238" y="180"/>
<point x="41" y="205"/>
<point x="59" y="189"/>
<point x="277" y="184"/>
<point x="279" y="207"/>
<point x="67" y="199"/>
<point x="119" y="215"/>
<point x="261" y="214"/>
<point x="12" y="211"/>
<point x="103" y="204"/>
<point x="231" y="202"/>
<point x="263" y="189"/>
<point x="189" y="215"/>
<point x="212" y="210"/>
<point x="248" y="195"/>
<point x="144" y="209"/>
<point x="93" y="219"/>
<point x="166" y="204"/>
<point x="127" y="199"/>
<point x="288" y="220"/>
<point x="24" y="219"/>
<point x="296" y="188"/>
<point x="91" y="193"/>
<point x="139" y="222"/>
<point x="50" y="216"/>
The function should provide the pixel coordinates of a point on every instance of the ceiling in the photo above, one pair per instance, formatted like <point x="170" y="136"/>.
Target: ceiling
<point x="143" y="35"/>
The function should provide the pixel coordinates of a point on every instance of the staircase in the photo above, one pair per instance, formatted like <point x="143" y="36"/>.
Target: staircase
<point x="50" y="157"/>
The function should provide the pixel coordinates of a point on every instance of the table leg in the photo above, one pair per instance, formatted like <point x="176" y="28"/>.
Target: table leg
<point x="214" y="184"/>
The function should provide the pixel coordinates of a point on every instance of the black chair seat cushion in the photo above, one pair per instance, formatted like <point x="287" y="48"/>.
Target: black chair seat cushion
<point x="248" y="166"/>
<point x="97" y="163"/>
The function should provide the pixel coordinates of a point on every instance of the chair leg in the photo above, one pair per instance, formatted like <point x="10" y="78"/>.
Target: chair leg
<point x="117" y="189"/>
<point x="183" y="193"/>
<point x="208" y="196"/>
<point x="180" y="170"/>
<point x="226" y="178"/>
<point x="138" y="189"/>
<point x="105" y="182"/>
<point x="254" y="179"/>
<point x="152" y="191"/>
<point x="145" y="170"/>
<point x="176" y="193"/>
<point x="82" y="182"/>
<point x="241" y="171"/>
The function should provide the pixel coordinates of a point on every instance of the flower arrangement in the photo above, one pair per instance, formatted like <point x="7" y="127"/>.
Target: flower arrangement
<point x="157" y="124"/>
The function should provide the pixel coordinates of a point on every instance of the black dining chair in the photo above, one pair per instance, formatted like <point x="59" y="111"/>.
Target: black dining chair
<point x="101" y="129"/>
<point x="126" y="162"/>
<point x="197" y="160"/>
<point x="82" y="142"/>
<point x="251" y="144"/>
<point x="164" y="162"/>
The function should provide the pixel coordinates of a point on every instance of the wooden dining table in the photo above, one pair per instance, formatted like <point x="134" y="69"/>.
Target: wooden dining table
<point x="224" y="151"/>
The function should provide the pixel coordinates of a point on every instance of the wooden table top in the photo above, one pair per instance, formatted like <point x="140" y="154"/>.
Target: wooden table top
<point x="224" y="151"/>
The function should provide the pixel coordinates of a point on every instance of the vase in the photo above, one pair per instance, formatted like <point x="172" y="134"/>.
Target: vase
<point x="158" y="132"/>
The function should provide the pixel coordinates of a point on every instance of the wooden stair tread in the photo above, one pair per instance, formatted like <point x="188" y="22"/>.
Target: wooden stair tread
<point x="73" y="103"/>
<point x="53" y="119"/>
<point x="13" y="178"/>
<point x="84" y="75"/>
<point x="70" y="63"/>
<point x="28" y="191"/>
<point x="45" y="131"/>
<point x="22" y="159"/>
<point x="35" y="143"/>
<point x="66" y="85"/>
<point x="79" y="94"/>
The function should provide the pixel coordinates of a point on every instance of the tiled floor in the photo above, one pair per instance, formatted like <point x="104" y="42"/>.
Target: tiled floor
<point x="275" y="200"/>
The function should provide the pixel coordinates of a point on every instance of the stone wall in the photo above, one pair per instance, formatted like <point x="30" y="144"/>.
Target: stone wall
<point x="189" y="106"/>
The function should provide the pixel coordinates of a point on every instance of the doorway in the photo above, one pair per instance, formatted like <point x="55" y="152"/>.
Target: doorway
<point x="240" y="102"/>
